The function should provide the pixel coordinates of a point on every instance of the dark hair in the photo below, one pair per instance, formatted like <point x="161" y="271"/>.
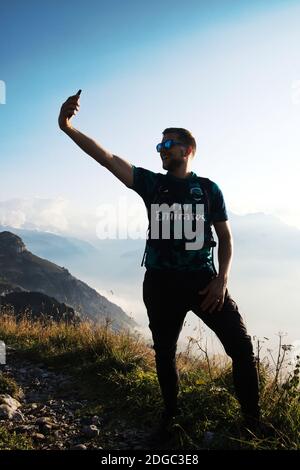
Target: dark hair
<point x="184" y="135"/>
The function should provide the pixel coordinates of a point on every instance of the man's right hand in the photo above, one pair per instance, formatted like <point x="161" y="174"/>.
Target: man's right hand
<point x="119" y="167"/>
<point x="68" y="110"/>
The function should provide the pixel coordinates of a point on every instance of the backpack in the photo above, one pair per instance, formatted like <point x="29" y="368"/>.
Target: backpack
<point x="161" y="186"/>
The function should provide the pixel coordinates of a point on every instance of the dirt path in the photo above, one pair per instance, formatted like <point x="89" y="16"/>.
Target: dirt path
<point x="51" y="411"/>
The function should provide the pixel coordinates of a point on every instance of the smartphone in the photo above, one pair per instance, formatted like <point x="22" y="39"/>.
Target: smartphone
<point x="77" y="94"/>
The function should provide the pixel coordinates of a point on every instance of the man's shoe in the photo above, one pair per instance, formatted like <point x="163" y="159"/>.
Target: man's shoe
<point x="255" y="427"/>
<point x="251" y="421"/>
<point x="163" y="431"/>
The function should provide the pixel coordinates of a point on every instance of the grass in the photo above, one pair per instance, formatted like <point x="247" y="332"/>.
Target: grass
<point x="116" y="372"/>
<point x="9" y="440"/>
<point x="9" y="386"/>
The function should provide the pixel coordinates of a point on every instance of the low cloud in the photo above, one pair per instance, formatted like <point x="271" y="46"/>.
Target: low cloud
<point x="61" y="216"/>
<point x="56" y="215"/>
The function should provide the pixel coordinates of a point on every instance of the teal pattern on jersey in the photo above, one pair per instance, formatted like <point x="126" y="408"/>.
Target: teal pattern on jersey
<point x="171" y="254"/>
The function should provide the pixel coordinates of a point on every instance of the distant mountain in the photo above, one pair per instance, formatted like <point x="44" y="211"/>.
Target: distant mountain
<point x="7" y="287"/>
<point x="84" y="259"/>
<point x="38" y="306"/>
<point x="264" y="278"/>
<point x="51" y="246"/>
<point x="30" y="272"/>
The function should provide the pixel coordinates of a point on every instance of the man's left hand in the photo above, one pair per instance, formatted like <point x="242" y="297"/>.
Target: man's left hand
<point x="214" y="295"/>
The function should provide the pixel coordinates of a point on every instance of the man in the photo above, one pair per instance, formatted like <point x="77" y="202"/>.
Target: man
<point x="181" y="276"/>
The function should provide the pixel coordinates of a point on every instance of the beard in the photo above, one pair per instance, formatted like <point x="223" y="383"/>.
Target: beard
<point x="172" y="164"/>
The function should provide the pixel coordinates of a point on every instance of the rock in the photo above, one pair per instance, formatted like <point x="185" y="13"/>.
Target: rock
<point x="96" y="420"/>
<point x="18" y="416"/>
<point x="6" y="412"/>
<point x="52" y="402"/>
<point x="6" y="399"/>
<point x="44" y="420"/>
<point x="46" y="428"/>
<point x="25" y="428"/>
<point x="78" y="447"/>
<point x="91" y="430"/>
<point x="44" y="410"/>
<point x="21" y="395"/>
<point x="38" y="436"/>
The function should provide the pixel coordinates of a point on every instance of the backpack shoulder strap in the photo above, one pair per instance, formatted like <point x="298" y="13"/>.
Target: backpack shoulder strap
<point x="205" y="184"/>
<point x="156" y="188"/>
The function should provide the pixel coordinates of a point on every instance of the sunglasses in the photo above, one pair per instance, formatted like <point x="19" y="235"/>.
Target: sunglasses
<point x="167" y="144"/>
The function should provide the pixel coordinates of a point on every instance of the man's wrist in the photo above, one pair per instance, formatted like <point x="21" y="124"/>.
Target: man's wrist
<point x="67" y="128"/>
<point x="223" y="277"/>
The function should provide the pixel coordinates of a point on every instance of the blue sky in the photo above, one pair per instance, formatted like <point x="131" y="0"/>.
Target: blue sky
<point x="227" y="70"/>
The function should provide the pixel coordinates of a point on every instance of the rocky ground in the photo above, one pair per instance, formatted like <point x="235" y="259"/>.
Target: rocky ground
<point x="50" y="410"/>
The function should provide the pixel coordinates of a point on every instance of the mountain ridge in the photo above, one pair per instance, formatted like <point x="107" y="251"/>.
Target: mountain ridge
<point x="30" y="272"/>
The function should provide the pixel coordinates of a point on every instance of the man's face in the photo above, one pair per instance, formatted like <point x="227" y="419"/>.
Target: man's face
<point x="175" y="156"/>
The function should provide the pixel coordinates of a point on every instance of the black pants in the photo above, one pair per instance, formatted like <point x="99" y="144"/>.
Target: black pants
<point x="168" y="296"/>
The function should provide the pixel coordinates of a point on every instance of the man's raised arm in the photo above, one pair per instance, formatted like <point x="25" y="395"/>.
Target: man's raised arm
<point x="118" y="166"/>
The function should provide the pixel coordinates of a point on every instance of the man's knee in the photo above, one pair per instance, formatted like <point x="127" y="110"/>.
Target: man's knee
<point x="165" y="338"/>
<point x="241" y="350"/>
<point x="233" y="320"/>
<point x="165" y="352"/>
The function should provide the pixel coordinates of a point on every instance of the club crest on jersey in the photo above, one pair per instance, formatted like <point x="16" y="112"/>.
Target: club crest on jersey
<point x="197" y="193"/>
